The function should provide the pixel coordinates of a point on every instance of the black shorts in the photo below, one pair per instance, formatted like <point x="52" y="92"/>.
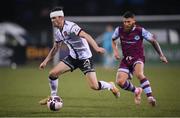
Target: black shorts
<point x="85" y="65"/>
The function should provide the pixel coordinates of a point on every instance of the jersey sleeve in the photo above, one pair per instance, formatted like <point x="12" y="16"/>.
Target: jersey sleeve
<point x="115" y="34"/>
<point x="75" y="29"/>
<point x="147" y="35"/>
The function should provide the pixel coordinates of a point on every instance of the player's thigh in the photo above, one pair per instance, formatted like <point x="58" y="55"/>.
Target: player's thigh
<point x="92" y="80"/>
<point x="121" y="77"/>
<point x="59" y="69"/>
<point x="139" y="70"/>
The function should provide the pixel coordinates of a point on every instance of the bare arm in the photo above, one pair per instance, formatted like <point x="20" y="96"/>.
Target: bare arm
<point x="115" y="50"/>
<point x="51" y="54"/>
<point x="92" y="42"/>
<point x="157" y="47"/>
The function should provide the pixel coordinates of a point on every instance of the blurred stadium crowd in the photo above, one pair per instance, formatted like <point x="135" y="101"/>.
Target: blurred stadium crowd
<point x="32" y="12"/>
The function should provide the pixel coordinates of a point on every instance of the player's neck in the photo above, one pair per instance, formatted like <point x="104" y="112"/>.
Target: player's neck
<point x="61" y="26"/>
<point x="129" y="30"/>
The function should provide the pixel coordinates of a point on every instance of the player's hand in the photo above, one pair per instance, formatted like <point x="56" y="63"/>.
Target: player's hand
<point x="163" y="59"/>
<point x="42" y="65"/>
<point x="100" y="50"/>
<point x="116" y="55"/>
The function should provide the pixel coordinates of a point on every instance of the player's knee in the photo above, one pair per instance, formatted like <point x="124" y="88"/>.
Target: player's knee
<point x="53" y="74"/>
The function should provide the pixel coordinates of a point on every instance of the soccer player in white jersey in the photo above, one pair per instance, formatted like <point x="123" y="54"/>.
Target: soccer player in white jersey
<point x="80" y="55"/>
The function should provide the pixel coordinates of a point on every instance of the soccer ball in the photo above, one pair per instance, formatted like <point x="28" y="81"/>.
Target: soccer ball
<point x="55" y="103"/>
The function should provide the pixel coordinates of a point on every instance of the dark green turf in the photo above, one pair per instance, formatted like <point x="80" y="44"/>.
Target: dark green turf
<point x="21" y="89"/>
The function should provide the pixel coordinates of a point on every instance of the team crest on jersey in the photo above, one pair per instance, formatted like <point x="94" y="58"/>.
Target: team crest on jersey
<point x="137" y="37"/>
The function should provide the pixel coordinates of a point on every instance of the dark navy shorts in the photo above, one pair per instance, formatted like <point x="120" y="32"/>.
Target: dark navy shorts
<point x="85" y="65"/>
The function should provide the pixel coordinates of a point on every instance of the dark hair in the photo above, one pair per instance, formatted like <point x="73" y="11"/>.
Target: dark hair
<point x="128" y="14"/>
<point x="56" y="9"/>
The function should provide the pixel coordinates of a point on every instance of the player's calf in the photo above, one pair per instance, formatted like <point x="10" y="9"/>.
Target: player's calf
<point x="145" y="84"/>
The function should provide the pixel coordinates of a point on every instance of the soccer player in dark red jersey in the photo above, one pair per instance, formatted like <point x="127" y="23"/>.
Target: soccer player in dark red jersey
<point x="131" y="38"/>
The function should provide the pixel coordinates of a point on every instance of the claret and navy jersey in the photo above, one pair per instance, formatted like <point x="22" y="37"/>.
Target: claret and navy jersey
<point x="132" y="42"/>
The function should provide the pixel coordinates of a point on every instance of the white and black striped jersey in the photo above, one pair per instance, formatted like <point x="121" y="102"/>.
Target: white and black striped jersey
<point x="78" y="46"/>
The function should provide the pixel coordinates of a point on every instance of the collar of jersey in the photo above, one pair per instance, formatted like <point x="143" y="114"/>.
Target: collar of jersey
<point x="63" y="26"/>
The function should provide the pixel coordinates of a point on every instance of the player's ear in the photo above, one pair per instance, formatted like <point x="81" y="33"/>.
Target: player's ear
<point x="134" y="21"/>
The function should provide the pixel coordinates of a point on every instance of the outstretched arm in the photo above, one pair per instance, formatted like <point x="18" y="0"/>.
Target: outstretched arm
<point x="51" y="54"/>
<point x="92" y="42"/>
<point x="157" y="47"/>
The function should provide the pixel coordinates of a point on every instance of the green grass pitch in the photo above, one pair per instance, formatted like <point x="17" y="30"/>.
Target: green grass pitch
<point x="22" y="88"/>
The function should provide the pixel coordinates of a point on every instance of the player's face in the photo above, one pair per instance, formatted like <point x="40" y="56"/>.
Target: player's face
<point x="128" y="23"/>
<point x="57" y="21"/>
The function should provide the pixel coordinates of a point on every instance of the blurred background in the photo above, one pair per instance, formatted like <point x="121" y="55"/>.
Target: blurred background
<point x="26" y="36"/>
<point x="26" y="31"/>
